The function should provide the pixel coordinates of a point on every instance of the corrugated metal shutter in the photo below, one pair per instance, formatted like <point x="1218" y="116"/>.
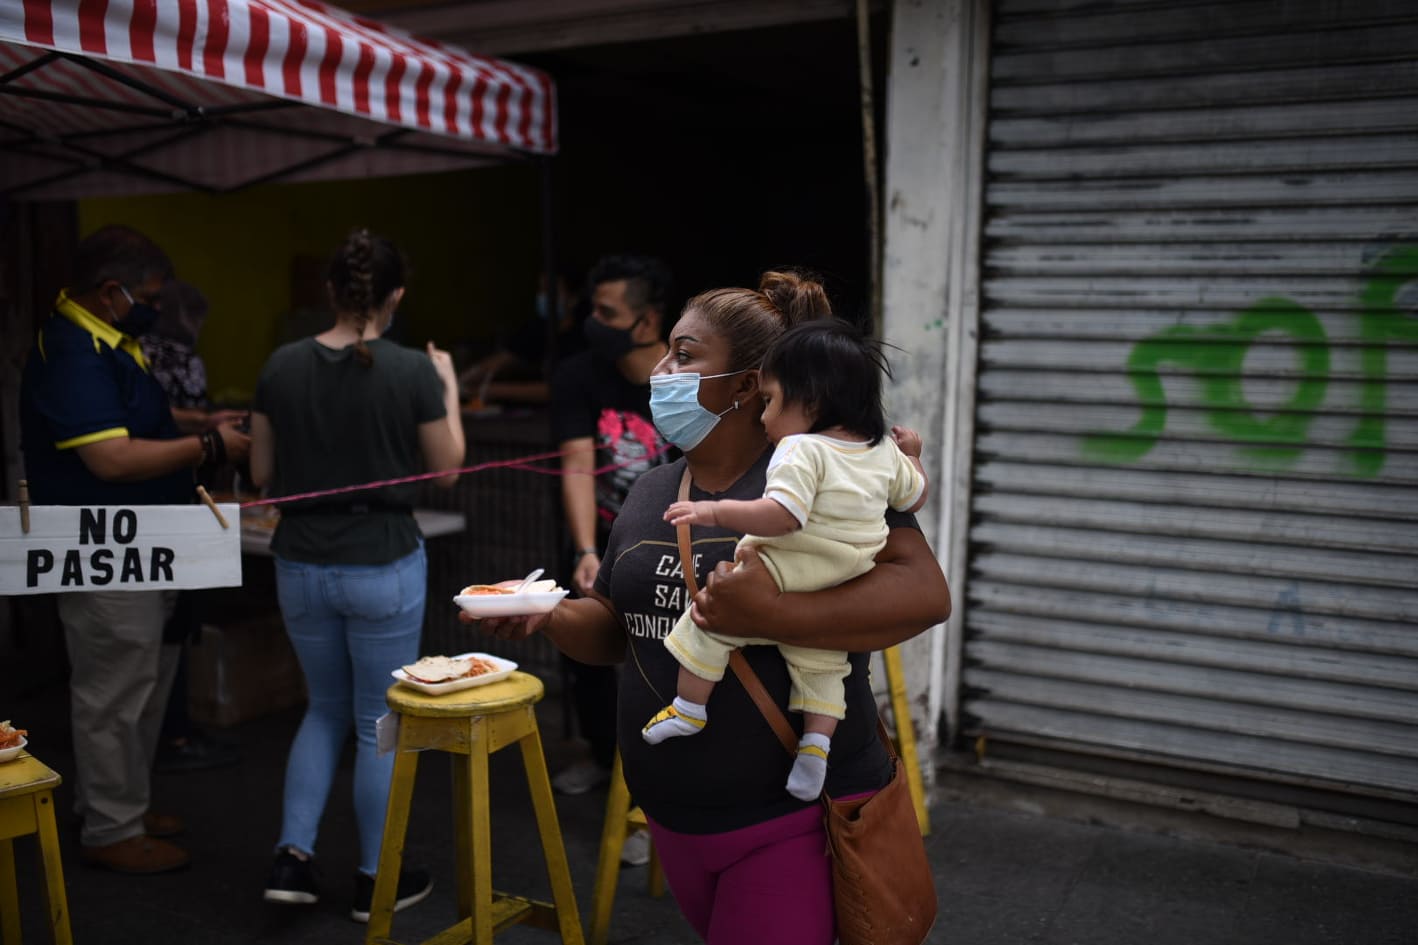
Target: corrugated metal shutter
<point x="1194" y="533"/>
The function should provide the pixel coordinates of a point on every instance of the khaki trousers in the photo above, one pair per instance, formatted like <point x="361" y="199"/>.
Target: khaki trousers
<point x="121" y="674"/>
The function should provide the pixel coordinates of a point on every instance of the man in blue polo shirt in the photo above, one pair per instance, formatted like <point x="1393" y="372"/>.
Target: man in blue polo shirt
<point x="97" y="429"/>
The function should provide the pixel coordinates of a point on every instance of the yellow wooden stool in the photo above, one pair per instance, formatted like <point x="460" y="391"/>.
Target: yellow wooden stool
<point x="27" y="806"/>
<point x="620" y="817"/>
<point x="474" y="723"/>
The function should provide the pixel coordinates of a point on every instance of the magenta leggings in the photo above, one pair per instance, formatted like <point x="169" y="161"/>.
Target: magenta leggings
<point x="768" y="884"/>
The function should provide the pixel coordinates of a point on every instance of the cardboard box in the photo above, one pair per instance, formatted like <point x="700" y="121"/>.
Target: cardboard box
<point x="242" y="671"/>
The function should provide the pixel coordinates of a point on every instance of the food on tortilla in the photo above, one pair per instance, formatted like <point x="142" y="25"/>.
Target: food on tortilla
<point x="485" y="589"/>
<point x="437" y="669"/>
<point x="10" y="736"/>
<point x="546" y="586"/>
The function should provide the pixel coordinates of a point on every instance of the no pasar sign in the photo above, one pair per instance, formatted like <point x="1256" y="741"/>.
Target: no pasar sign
<point x="118" y="548"/>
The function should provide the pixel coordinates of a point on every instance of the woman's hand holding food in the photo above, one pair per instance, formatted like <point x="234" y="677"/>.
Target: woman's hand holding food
<point x="507" y="628"/>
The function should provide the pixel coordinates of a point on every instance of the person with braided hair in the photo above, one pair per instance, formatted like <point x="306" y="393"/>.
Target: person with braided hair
<point x="341" y="408"/>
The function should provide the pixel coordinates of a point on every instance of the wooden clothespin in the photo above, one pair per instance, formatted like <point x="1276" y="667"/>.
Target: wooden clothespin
<point x="25" y="506"/>
<point x="207" y="501"/>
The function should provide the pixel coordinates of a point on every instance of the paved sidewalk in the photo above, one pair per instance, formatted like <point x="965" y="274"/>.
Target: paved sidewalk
<point x="1005" y="876"/>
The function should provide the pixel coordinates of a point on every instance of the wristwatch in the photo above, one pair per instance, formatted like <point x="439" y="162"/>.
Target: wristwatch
<point x="581" y="553"/>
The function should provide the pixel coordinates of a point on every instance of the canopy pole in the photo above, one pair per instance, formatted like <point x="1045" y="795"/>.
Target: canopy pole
<point x="869" y="165"/>
<point x="549" y="260"/>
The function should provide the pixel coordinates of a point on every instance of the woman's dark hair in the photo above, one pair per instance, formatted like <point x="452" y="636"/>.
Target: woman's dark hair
<point x="834" y="371"/>
<point x="362" y="275"/>
<point x="753" y="320"/>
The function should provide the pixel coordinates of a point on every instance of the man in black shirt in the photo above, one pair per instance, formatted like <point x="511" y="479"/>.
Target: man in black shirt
<point x="601" y="417"/>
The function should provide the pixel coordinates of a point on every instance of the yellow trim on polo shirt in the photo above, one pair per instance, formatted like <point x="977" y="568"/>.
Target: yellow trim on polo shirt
<point x="99" y="329"/>
<point x="112" y="433"/>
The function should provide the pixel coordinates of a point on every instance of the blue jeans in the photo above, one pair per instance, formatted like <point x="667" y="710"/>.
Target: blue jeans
<point x="351" y="626"/>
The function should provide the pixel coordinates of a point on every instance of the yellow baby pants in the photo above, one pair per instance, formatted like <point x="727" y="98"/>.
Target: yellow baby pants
<point x="798" y="562"/>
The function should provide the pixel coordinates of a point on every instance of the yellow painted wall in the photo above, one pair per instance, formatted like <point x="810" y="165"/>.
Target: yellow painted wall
<point x="472" y="239"/>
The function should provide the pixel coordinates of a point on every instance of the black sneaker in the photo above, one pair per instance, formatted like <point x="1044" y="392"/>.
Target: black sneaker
<point x="292" y="880"/>
<point x="414" y="887"/>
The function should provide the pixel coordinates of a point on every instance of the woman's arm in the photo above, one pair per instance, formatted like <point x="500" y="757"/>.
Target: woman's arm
<point x="578" y="500"/>
<point x="441" y="441"/>
<point x="585" y="629"/>
<point x="903" y="595"/>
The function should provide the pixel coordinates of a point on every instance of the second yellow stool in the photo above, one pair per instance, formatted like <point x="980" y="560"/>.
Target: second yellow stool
<point x="620" y="818"/>
<point x="472" y="724"/>
<point x="27" y="806"/>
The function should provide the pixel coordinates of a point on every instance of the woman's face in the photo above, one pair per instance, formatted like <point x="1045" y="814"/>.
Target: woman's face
<point x="695" y="346"/>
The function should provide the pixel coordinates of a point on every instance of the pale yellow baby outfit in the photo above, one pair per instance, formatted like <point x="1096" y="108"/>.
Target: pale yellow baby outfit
<point x="838" y="490"/>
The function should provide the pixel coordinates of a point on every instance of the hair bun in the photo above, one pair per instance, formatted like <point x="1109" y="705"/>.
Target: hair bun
<point x="799" y="296"/>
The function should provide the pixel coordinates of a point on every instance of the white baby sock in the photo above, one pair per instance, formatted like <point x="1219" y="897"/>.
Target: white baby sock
<point x="809" y="772"/>
<point x="682" y="717"/>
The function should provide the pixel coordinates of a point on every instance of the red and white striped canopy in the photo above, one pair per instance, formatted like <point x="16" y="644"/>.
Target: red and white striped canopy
<point x="134" y="96"/>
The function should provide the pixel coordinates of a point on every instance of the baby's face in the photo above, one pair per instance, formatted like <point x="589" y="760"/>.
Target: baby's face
<point x="781" y="419"/>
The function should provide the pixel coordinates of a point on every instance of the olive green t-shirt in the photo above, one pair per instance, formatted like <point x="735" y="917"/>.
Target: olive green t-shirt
<point x="338" y="422"/>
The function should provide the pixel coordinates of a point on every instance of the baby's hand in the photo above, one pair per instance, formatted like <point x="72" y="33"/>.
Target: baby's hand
<point x="690" y="513"/>
<point x="909" y="440"/>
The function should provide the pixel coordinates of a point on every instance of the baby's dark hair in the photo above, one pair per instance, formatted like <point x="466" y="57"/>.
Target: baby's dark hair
<point x="834" y="371"/>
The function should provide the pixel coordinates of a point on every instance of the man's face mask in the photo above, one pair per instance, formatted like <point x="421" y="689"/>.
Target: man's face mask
<point x="139" y="318"/>
<point x="609" y="343"/>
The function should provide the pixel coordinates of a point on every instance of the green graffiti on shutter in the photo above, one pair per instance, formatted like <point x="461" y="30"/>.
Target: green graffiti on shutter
<point x="1214" y="355"/>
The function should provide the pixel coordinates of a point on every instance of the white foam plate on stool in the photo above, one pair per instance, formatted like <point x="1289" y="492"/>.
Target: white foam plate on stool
<point x="504" y="669"/>
<point x="524" y="604"/>
<point x="6" y="754"/>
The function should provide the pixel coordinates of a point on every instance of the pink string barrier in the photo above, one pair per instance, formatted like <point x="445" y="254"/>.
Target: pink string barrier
<point x="523" y="463"/>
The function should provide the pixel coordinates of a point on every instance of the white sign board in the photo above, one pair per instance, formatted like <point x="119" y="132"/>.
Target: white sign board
<point x="118" y="548"/>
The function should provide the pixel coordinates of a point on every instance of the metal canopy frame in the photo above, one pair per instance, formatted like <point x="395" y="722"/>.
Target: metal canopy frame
<point x="187" y="120"/>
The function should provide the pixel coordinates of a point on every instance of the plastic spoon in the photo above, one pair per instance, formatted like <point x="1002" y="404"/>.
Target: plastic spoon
<point x="536" y="573"/>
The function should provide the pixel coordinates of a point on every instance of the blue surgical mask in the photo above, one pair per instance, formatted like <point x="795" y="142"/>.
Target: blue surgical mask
<point x="140" y="317"/>
<point x="676" y="410"/>
<point x="543" y="306"/>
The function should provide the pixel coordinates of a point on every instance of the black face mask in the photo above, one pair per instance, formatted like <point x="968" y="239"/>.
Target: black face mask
<point x="607" y="342"/>
<point x="140" y="318"/>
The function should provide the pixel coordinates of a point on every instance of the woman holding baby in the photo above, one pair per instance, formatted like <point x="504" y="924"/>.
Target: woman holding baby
<point x="744" y="858"/>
